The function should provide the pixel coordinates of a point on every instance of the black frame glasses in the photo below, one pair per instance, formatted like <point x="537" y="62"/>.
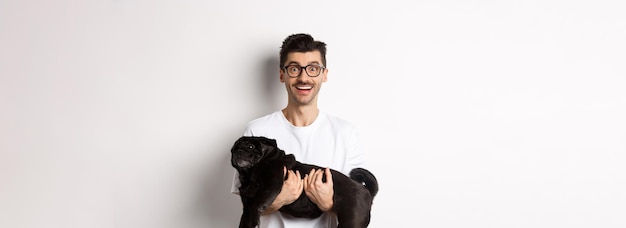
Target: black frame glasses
<point x="309" y="69"/>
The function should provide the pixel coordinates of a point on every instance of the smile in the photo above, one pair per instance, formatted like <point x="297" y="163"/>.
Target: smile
<point x="304" y="87"/>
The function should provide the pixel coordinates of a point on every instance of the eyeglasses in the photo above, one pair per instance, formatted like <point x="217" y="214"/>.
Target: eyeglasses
<point x="295" y="70"/>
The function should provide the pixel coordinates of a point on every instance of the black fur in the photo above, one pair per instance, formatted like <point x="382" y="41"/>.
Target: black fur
<point x="260" y="164"/>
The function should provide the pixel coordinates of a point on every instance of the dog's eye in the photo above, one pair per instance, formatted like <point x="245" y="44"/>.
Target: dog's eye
<point x="251" y="147"/>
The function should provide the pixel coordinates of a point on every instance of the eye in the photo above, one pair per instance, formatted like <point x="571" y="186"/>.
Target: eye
<point x="293" y="68"/>
<point x="251" y="147"/>
<point x="313" y="68"/>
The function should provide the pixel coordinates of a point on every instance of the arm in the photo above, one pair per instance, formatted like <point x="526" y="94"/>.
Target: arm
<point x="321" y="193"/>
<point x="292" y="188"/>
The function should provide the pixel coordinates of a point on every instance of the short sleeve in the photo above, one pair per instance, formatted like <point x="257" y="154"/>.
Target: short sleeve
<point x="355" y="156"/>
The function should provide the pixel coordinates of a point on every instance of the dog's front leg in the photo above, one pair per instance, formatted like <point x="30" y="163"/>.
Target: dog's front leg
<point x="250" y="217"/>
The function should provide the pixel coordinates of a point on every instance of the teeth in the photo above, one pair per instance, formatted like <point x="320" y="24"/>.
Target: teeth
<point x="304" y="87"/>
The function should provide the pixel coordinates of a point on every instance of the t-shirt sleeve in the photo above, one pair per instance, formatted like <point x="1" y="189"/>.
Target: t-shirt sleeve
<point x="234" y="188"/>
<point x="355" y="156"/>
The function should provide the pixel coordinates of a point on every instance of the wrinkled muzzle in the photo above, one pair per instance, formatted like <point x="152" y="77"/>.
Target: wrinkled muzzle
<point x="243" y="159"/>
<point x="245" y="155"/>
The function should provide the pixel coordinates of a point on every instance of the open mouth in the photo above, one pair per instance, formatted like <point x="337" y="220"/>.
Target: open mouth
<point x="304" y="88"/>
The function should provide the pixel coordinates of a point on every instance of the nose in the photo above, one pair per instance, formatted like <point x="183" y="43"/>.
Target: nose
<point x="303" y="79"/>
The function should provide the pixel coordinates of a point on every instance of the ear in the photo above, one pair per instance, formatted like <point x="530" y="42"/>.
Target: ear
<point x="268" y="145"/>
<point x="282" y="75"/>
<point x="324" y="75"/>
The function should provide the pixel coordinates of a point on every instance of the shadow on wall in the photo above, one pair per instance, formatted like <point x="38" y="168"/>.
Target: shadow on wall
<point x="221" y="206"/>
<point x="224" y="205"/>
<point x="216" y="205"/>
<point x="273" y="92"/>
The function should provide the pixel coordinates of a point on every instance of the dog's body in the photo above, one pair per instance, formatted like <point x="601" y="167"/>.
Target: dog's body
<point x="260" y="163"/>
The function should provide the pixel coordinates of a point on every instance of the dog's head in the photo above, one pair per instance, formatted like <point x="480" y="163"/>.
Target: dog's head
<point x="249" y="151"/>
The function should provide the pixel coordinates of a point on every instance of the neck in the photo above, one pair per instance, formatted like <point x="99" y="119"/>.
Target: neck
<point x="301" y="116"/>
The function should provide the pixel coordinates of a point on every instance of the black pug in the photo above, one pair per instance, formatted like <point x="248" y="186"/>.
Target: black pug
<point x="260" y="163"/>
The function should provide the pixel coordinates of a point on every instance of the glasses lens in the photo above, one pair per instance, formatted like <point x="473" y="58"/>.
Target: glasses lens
<point x="313" y="70"/>
<point x="293" y="70"/>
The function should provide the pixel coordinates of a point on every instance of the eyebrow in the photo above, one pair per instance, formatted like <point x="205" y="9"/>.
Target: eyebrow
<point x="296" y="63"/>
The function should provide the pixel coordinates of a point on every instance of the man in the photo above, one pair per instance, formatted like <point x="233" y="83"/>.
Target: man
<point x="301" y="129"/>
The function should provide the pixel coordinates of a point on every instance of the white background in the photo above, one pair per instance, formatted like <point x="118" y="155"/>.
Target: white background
<point x="121" y="113"/>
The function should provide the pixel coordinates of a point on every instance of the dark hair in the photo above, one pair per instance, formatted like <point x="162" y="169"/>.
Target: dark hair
<point x="301" y="43"/>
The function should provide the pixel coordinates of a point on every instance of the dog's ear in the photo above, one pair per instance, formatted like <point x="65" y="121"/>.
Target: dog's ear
<point x="268" y="145"/>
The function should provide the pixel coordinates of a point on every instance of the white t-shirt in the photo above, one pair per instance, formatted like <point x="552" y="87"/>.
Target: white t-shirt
<point x="327" y="142"/>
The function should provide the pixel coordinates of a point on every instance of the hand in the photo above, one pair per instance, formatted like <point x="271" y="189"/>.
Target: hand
<point x="292" y="188"/>
<point x="319" y="192"/>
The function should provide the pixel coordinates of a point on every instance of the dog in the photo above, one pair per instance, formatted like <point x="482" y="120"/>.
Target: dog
<point x="260" y="162"/>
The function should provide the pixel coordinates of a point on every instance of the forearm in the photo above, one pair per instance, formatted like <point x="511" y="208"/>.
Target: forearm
<point x="291" y="190"/>
<point x="326" y="206"/>
<point x="271" y="208"/>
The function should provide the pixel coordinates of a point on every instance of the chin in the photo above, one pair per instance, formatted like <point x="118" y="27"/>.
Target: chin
<point x="302" y="100"/>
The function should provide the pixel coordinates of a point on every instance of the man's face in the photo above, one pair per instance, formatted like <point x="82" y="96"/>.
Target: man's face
<point x="303" y="89"/>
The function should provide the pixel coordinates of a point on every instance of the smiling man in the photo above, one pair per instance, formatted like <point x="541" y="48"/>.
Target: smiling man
<point x="313" y="136"/>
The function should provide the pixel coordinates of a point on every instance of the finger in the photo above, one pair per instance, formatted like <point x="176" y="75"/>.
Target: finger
<point x="309" y="178"/>
<point x="311" y="175"/>
<point x="284" y="171"/>
<point x="314" y="177"/>
<point x="307" y="187"/>
<point x="292" y="174"/>
<point x="296" y="177"/>
<point x="300" y="183"/>
<point x="305" y="182"/>
<point x="329" y="176"/>
<point x="319" y="174"/>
